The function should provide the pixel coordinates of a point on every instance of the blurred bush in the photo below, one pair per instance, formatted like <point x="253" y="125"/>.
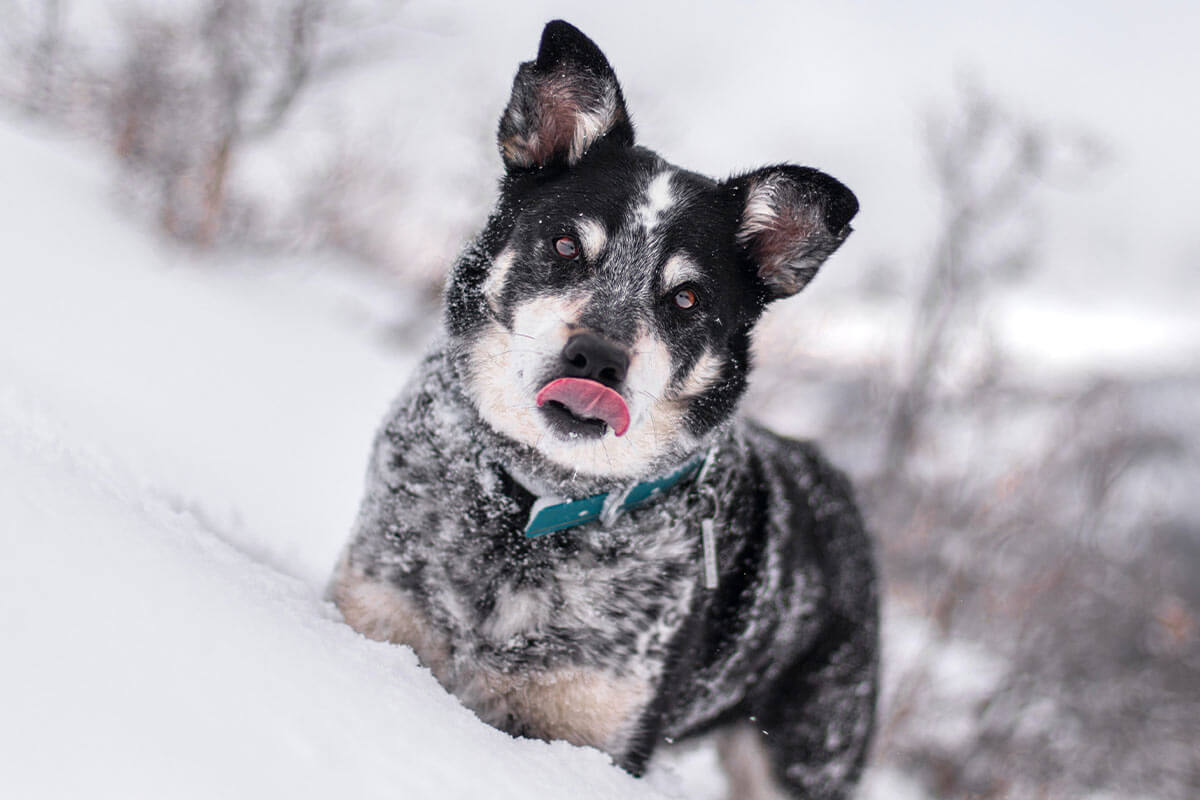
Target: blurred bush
<point x="189" y="96"/>
<point x="1037" y="543"/>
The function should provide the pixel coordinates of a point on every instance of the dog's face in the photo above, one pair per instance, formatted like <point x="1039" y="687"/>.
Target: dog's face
<point x="604" y="318"/>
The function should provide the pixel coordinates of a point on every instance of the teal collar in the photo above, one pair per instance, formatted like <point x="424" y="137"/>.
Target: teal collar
<point x="552" y="514"/>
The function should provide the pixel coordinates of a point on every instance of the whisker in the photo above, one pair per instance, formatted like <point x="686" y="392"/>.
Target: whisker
<point x="607" y="455"/>
<point x="512" y="351"/>
<point x="653" y="427"/>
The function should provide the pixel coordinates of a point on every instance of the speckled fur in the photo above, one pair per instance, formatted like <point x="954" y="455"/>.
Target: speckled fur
<point x="607" y="635"/>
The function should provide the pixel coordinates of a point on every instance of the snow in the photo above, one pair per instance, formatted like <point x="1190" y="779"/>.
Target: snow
<point x="181" y="452"/>
<point x="212" y="378"/>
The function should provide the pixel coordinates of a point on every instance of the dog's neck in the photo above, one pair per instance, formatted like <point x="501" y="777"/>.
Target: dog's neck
<point x="542" y="477"/>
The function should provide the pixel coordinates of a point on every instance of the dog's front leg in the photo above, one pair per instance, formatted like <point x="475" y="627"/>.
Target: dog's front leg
<point x="381" y="611"/>
<point x="581" y="705"/>
<point x="816" y="719"/>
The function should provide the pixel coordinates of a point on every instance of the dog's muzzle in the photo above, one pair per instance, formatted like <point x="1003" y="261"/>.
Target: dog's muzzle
<point x="586" y="400"/>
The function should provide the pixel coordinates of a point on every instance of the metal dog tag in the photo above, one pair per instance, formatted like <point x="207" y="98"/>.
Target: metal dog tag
<point x="710" y="553"/>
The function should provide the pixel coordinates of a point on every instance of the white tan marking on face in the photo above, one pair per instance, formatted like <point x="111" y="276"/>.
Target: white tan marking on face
<point x="506" y="368"/>
<point x="703" y="375"/>
<point x="654" y="423"/>
<point x="647" y="376"/>
<point x="678" y="269"/>
<point x="592" y="236"/>
<point x="493" y="286"/>
<point x="657" y="200"/>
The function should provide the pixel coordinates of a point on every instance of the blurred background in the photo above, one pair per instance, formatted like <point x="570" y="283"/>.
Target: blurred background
<point x="1005" y="355"/>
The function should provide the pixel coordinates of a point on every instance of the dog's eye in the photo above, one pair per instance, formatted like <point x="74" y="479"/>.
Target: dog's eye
<point x="567" y="247"/>
<point x="686" y="298"/>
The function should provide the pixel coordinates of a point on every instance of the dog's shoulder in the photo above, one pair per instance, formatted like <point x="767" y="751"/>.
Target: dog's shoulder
<point x="808" y="497"/>
<point x="427" y="458"/>
<point x="430" y="425"/>
<point x="801" y="468"/>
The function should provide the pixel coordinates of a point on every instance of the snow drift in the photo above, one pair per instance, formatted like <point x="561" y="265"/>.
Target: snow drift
<point x="181" y="453"/>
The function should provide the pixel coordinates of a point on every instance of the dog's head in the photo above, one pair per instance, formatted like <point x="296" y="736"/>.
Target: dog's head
<point x="604" y="314"/>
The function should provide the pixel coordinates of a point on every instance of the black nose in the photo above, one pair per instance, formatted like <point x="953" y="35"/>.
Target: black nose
<point x="588" y="355"/>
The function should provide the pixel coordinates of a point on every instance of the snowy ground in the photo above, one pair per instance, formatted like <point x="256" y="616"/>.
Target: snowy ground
<point x="181" y="451"/>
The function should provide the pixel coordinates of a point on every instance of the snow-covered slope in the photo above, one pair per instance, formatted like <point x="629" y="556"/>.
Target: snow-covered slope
<point x="181" y="448"/>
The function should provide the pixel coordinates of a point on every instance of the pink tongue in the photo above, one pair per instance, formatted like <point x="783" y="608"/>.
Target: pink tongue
<point x="589" y="400"/>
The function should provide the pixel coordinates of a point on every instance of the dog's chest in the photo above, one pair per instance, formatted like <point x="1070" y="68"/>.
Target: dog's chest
<point x="608" y="598"/>
<point x="567" y="637"/>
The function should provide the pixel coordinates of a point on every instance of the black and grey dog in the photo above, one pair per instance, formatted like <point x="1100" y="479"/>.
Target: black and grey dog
<point x="564" y="516"/>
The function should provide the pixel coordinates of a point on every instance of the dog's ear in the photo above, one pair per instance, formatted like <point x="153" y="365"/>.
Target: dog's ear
<point x="562" y="103"/>
<point x="792" y="219"/>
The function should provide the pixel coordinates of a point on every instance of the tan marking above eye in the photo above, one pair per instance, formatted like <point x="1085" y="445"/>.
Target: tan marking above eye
<point x="679" y="271"/>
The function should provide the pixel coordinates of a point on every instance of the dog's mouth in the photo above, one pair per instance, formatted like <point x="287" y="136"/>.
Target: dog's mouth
<point x="582" y="407"/>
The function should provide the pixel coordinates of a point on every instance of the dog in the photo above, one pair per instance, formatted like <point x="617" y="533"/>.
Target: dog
<point x="564" y="515"/>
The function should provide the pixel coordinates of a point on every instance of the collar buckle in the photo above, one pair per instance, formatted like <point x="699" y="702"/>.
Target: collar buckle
<point x="550" y="514"/>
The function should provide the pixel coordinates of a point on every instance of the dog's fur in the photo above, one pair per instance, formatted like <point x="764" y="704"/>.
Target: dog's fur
<point x="606" y="634"/>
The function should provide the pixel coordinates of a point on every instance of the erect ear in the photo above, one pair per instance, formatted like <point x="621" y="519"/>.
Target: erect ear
<point x="792" y="219"/>
<point x="562" y="103"/>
